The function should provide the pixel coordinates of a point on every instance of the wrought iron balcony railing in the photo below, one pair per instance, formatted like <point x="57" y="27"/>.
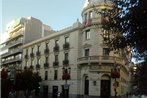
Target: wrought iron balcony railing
<point x="65" y="62"/>
<point x="46" y="51"/>
<point x="56" y="48"/>
<point x="46" y="65"/>
<point x="66" y="46"/>
<point x="56" y="63"/>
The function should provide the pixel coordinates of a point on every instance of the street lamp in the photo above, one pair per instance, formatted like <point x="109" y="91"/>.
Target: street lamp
<point x="66" y="76"/>
<point x="115" y="73"/>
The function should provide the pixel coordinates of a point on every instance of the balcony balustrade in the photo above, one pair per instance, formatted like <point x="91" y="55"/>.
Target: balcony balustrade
<point x="38" y="53"/>
<point x="12" y="52"/>
<point x="46" y="51"/>
<point x="66" y="46"/>
<point x="31" y="67"/>
<point x="100" y="59"/>
<point x="65" y="62"/>
<point x="32" y="55"/>
<point x="26" y="56"/>
<point x="46" y="65"/>
<point x="14" y="60"/>
<point x="37" y="66"/>
<point x="56" y="63"/>
<point x="18" y="42"/>
<point x="56" y="48"/>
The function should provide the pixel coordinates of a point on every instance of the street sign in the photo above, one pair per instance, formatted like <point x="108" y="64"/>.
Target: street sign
<point x="66" y="86"/>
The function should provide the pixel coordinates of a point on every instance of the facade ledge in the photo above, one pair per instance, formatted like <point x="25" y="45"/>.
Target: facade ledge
<point x="12" y="61"/>
<point x="11" y="53"/>
<point x="100" y="59"/>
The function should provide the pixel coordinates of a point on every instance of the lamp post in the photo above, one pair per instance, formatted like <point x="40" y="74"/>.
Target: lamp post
<point x="66" y="76"/>
<point x="115" y="73"/>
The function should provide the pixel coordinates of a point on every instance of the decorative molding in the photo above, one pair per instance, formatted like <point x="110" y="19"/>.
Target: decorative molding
<point x="87" y="45"/>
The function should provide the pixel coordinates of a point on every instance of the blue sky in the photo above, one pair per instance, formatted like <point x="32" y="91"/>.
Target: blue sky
<point x="56" y="13"/>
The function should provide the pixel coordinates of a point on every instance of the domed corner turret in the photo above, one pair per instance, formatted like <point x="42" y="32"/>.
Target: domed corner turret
<point x="92" y="9"/>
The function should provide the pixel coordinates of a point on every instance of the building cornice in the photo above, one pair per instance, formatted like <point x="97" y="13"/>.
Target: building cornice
<point x="65" y="31"/>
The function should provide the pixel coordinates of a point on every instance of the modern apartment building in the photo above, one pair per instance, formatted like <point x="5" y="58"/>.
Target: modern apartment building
<point x="81" y="49"/>
<point x="21" y="31"/>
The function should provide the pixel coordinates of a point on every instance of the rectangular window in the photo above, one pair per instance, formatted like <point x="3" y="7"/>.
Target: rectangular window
<point x="56" y="58"/>
<point x="27" y="64"/>
<point x="86" y="52"/>
<point x="66" y="56"/>
<point x="56" y="42"/>
<point x="106" y="51"/>
<point x="26" y="51"/>
<point x="55" y="74"/>
<point x="46" y="75"/>
<point x="32" y="62"/>
<point x="90" y="15"/>
<point x="32" y="49"/>
<point x="38" y="61"/>
<point x="46" y="45"/>
<point x="85" y="17"/>
<point x="46" y="59"/>
<point x="38" y="47"/>
<point x="66" y="39"/>
<point x="87" y="34"/>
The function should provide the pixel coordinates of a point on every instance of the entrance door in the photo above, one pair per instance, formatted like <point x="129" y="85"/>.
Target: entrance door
<point x="86" y="90"/>
<point x="45" y="91"/>
<point x="65" y="92"/>
<point x="55" y="91"/>
<point x="105" y="88"/>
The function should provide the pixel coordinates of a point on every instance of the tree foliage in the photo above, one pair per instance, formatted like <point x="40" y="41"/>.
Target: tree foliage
<point x="129" y="26"/>
<point x="5" y="84"/>
<point x="141" y="79"/>
<point x="27" y="80"/>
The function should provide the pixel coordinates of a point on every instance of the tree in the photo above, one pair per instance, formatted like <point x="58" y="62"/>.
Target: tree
<point x="5" y="84"/>
<point x="142" y="78"/>
<point x="27" y="80"/>
<point x="129" y="26"/>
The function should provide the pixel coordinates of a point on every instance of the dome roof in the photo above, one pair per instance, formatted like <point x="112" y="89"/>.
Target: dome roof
<point x="94" y="2"/>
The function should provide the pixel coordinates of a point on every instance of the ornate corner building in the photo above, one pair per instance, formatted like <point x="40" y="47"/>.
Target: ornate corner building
<point x="81" y="49"/>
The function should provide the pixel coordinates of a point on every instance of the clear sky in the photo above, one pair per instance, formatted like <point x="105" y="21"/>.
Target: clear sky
<point x="58" y="14"/>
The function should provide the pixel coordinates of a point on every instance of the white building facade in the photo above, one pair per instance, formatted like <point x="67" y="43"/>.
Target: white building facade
<point x="81" y="48"/>
<point x="20" y="31"/>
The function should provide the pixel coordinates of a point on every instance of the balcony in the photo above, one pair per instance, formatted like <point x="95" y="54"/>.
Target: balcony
<point x="66" y="46"/>
<point x="18" y="42"/>
<point x="101" y="59"/>
<point x="56" y="63"/>
<point x="37" y="66"/>
<point x="46" y="65"/>
<point x="31" y="67"/>
<point x="12" y="52"/>
<point x="32" y="55"/>
<point x="65" y="62"/>
<point x="38" y="54"/>
<point x="46" y="51"/>
<point x="56" y="48"/>
<point x="11" y="61"/>
<point x="26" y="56"/>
